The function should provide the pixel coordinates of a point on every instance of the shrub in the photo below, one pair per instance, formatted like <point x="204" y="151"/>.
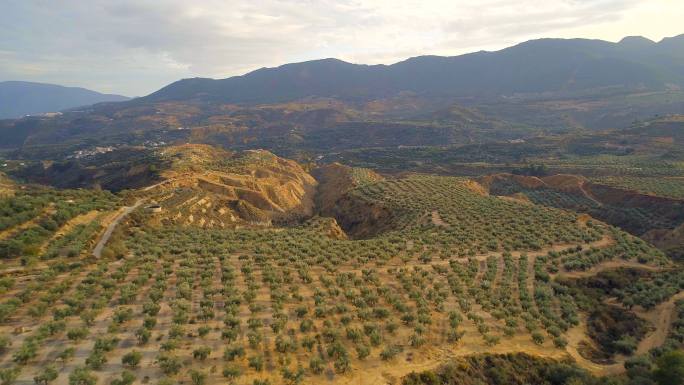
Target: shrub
<point x="27" y="351"/>
<point x="293" y="376"/>
<point x="151" y="308"/>
<point x="316" y="365"/>
<point x="48" y="374"/>
<point x="203" y="331"/>
<point x="122" y="315"/>
<point x="285" y="345"/>
<point x="308" y="343"/>
<point x="82" y="376"/>
<point x="105" y="344"/>
<point x="233" y="352"/>
<point x="342" y="364"/>
<point x="143" y="335"/>
<point x="626" y="345"/>
<point x="201" y="353"/>
<point x="231" y="372"/>
<point x="67" y="354"/>
<point x="96" y="360"/>
<point x="390" y="352"/>
<point x="454" y="336"/>
<point x="306" y="325"/>
<point x="537" y="337"/>
<point x="9" y="375"/>
<point x="362" y="351"/>
<point x="131" y="359"/>
<point x="5" y="343"/>
<point x="560" y="342"/>
<point x="88" y="317"/>
<point x="127" y="378"/>
<point x="670" y="368"/>
<point x="256" y="363"/>
<point x="169" y="364"/>
<point x="197" y="377"/>
<point x="149" y="322"/>
<point x="77" y="334"/>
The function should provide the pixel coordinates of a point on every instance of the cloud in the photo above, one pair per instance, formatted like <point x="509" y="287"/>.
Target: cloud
<point x="136" y="46"/>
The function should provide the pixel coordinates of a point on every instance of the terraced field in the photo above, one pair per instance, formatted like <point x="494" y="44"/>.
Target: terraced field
<point x="447" y="271"/>
<point x="636" y="219"/>
<point x="671" y="187"/>
<point x="41" y="224"/>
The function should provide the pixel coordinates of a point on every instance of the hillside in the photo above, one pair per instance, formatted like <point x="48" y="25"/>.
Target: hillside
<point x="656" y="217"/>
<point x="26" y="98"/>
<point x="236" y="266"/>
<point x="437" y="280"/>
<point x="7" y="186"/>
<point x="335" y="180"/>
<point x="192" y="182"/>
<point x="214" y="188"/>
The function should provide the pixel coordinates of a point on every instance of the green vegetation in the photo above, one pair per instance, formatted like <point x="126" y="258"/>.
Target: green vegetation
<point x="665" y="187"/>
<point x="469" y="223"/>
<point x="47" y="375"/>
<point x="675" y="337"/>
<point x="631" y="287"/>
<point x="620" y="166"/>
<point x="636" y="220"/>
<point x="520" y="369"/>
<point x="428" y="264"/>
<point x="43" y="211"/>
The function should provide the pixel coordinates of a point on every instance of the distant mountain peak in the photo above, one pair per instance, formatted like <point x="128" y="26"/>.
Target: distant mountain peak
<point x="636" y="40"/>
<point x="636" y="43"/>
<point x="676" y="42"/>
<point x="19" y="98"/>
<point x="673" y="38"/>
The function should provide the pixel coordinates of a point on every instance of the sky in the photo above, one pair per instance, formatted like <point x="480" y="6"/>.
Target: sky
<point x="134" y="47"/>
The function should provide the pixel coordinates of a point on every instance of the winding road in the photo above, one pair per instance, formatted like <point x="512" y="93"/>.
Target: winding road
<point x="97" y="251"/>
<point x="660" y="317"/>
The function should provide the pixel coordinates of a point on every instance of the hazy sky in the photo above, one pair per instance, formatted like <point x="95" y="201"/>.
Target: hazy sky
<point x="134" y="47"/>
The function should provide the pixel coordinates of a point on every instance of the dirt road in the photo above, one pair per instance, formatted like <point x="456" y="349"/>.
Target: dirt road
<point x="660" y="317"/>
<point x="97" y="251"/>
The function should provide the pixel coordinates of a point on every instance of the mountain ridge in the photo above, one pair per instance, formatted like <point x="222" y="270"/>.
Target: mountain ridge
<point x="535" y="66"/>
<point x="19" y="98"/>
<point x="536" y="87"/>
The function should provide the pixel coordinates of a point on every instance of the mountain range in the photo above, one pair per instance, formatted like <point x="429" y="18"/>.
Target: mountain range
<point x="18" y="98"/>
<point x="534" y="88"/>
<point x="534" y="67"/>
